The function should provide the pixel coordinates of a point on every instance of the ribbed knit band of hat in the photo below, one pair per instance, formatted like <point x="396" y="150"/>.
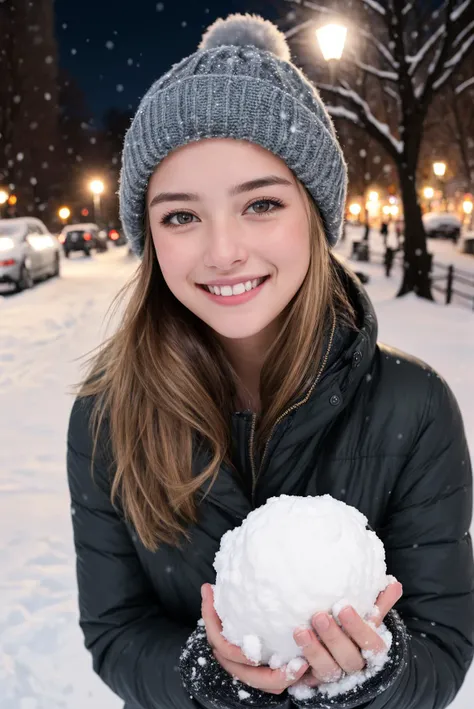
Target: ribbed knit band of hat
<point x="239" y="84"/>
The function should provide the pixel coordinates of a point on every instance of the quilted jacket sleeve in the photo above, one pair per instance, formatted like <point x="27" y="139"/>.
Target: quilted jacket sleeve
<point x="135" y="648"/>
<point x="426" y="536"/>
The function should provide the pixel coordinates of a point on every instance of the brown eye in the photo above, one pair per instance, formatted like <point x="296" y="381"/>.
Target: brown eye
<point x="260" y="207"/>
<point x="265" y="206"/>
<point x="178" y="218"/>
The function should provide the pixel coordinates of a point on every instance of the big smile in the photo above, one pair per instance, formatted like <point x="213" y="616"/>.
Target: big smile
<point x="227" y="291"/>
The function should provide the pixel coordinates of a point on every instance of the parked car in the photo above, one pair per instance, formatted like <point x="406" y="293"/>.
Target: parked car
<point x="117" y="237"/>
<point x="442" y="225"/>
<point x="28" y="252"/>
<point x="83" y="237"/>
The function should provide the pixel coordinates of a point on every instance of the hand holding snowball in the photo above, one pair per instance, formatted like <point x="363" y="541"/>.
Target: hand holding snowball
<point x="331" y="650"/>
<point x="233" y="660"/>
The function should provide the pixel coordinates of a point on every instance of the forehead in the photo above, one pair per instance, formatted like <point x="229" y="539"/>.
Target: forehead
<point x="223" y="159"/>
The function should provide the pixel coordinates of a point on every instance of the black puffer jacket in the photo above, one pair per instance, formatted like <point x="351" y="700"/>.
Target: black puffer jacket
<point x="382" y="431"/>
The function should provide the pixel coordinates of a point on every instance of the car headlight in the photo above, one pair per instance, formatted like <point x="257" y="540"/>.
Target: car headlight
<point x="6" y="243"/>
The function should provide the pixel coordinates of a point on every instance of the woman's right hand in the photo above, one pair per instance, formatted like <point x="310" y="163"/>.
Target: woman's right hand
<point x="233" y="660"/>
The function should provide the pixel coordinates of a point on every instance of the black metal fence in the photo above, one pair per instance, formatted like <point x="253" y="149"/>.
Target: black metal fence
<point x="450" y="281"/>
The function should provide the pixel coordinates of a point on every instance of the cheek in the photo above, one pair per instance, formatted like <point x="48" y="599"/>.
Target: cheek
<point x="291" y="248"/>
<point x="174" y="260"/>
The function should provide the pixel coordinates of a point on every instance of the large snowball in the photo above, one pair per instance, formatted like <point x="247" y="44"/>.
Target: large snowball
<point x="291" y="558"/>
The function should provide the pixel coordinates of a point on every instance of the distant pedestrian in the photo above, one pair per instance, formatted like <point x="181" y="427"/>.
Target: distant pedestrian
<point x="384" y="232"/>
<point x="388" y="260"/>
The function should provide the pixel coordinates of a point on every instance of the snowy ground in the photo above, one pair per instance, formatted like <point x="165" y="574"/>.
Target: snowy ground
<point x="42" y="333"/>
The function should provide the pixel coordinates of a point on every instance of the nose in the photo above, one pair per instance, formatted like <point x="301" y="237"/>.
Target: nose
<point x="224" y="246"/>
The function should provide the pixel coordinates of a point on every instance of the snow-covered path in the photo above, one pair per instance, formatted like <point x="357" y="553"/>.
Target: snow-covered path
<point x="42" y="332"/>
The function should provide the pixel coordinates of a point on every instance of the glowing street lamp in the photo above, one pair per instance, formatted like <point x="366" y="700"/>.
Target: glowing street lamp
<point x="467" y="206"/>
<point x="64" y="213"/>
<point x="332" y="39"/>
<point x="355" y="209"/>
<point x="3" y="199"/>
<point x="439" y="169"/>
<point x="428" y="193"/>
<point x="373" y="196"/>
<point x="97" y="188"/>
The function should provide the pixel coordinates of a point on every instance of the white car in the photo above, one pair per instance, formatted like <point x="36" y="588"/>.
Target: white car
<point x="28" y="252"/>
<point x="442" y="225"/>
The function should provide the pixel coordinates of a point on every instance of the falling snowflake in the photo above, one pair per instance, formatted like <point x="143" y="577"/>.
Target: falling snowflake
<point x="20" y="157"/>
<point x="16" y="99"/>
<point x="64" y="25"/>
<point x="73" y="51"/>
<point x="49" y="59"/>
<point x="33" y="181"/>
<point x="109" y="44"/>
<point x="47" y="96"/>
<point x="363" y="153"/>
<point x="160" y="6"/>
<point x="119" y="88"/>
<point x="129" y="62"/>
<point x="184" y="23"/>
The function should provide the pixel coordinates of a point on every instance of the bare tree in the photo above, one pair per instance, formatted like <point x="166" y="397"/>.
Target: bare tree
<point x="407" y="52"/>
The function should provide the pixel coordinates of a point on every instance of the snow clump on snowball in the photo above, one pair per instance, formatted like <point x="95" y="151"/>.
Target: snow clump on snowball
<point x="291" y="558"/>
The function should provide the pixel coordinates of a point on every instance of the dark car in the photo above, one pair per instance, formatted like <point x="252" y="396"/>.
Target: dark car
<point x="83" y="237"/>
<point x="117" y="237"/>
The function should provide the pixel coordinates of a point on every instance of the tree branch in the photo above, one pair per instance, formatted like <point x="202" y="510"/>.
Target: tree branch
<point x="342" y="112"/>
<point x="380" y="131"/>
<point x="375" y="6"/>
<point x="373" y="71"/>
<point x="465" y="85"/>
<point x="416" y="60"/>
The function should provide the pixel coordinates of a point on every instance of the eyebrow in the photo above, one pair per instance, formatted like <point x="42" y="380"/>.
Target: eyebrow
<point x="248" y="186"/>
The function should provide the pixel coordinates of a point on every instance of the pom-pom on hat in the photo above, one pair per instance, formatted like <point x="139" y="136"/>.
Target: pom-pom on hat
<point x="239" y="84"/>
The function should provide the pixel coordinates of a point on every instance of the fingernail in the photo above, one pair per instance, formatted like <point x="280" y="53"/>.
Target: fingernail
<point x="303" y="638"/>
<point x="347" y="613"/>
<point x="321" y="621"/>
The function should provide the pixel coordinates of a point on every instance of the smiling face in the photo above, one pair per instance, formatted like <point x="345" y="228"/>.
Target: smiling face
<point x="230" y="227"/>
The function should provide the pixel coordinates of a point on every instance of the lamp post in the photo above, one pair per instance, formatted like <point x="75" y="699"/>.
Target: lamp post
<point x="3" y="200"/>
<point x="97" y="188"/>
<point x="332" y="39"/>
<point x="467" y="208"/>
<point x="439" y="169"/>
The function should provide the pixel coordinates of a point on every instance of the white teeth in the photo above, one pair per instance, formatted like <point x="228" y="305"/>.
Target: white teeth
<point x="238" y="289"/>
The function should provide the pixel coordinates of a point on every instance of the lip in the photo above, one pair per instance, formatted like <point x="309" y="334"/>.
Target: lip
<point x="232" y="281"/>
<point x="235" y="299"/>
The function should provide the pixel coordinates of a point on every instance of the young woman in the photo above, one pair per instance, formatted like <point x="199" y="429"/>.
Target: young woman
<point x="247" y="366"/>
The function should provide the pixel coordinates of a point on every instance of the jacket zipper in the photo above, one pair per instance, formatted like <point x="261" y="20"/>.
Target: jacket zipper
<point x="255" y="473"/>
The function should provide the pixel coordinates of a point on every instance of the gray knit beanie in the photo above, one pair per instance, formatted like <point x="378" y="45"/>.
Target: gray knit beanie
<point x="239" y="84"/>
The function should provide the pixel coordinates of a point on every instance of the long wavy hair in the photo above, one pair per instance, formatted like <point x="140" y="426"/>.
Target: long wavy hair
<point x="163" y="385"/>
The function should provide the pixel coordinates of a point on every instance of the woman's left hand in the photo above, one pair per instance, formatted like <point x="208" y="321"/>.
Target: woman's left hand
<point x="332" y="650"/>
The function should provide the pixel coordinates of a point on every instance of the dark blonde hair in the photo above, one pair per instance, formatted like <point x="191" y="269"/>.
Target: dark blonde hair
<point x="164" y="383"/>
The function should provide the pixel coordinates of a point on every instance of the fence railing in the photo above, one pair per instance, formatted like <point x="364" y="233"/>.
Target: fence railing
<point x="445" y="283"/>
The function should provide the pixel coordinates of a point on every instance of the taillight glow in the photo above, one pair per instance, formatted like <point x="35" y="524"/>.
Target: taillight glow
<point x="113" y="234"/>
<point x="87" y="236"/>
<point x="8" y="262"/>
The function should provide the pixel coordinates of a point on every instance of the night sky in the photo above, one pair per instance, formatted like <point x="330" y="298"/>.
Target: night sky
<point x="116" y="50"/>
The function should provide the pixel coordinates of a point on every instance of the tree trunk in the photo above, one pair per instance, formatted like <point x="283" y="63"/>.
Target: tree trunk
<point x="417" y="261"/>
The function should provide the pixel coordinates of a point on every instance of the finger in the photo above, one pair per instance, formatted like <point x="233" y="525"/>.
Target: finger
<point x="323" y="666"/>
<point x="213" y="626"/>
<point x="264" y="678"/>
<point x="360" y="632"/>
<point x="343" y="650"/>
<point x="386" y="601"/>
